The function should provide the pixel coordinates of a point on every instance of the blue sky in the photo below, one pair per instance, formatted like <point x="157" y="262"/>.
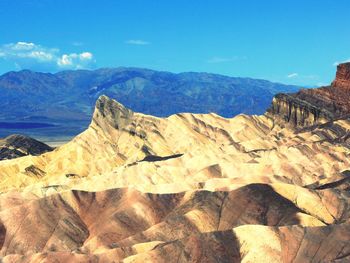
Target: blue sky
<point x="296" y="42"/>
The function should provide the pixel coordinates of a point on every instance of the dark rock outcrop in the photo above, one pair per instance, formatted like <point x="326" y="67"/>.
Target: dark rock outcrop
<point x="16" y="145"/>
<point x="313" y="106"/>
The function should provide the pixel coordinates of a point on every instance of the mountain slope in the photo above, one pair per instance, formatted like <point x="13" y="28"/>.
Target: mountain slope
<point x="123" y="147"/>
<point x="164" y="93"/>
<point x="70" y="95"/>
<point x="196" y="226"/>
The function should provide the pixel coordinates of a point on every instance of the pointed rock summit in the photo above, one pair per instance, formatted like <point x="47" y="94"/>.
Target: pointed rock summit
<point x="112" y="113"/>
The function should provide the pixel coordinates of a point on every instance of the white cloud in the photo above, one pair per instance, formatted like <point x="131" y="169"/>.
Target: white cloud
<point x="137" y="42"/>
<point x="33" y="56"/>
<point x="22" y="46"/>
<point x="337" y="62"/>
<point x="292" y="75"/>
<point x="39" y="55"/>
<point x="86" y="56"/>
<point x="27" y="50"/>
<point x="66" y="60"/>
<point x="75" y="61"/>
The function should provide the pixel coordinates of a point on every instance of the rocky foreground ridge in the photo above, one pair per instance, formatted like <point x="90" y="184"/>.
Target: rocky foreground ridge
<point x="187" y="188"/>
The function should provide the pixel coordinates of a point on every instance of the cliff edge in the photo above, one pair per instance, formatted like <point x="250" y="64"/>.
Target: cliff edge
<point x="314" y="106"/>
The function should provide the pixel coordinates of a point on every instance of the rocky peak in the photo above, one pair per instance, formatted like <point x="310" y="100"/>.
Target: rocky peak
<point x="112" y="113"/>
<point x="342" y="79"/>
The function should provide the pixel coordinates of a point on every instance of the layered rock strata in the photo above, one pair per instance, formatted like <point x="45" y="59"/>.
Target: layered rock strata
<point x="313" y="106"/>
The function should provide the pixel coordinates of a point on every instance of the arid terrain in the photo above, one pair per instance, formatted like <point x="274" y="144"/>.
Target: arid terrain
<point x="189" y="187"/>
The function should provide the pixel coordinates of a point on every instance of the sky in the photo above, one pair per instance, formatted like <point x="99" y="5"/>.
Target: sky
<point x="294" y="42"/>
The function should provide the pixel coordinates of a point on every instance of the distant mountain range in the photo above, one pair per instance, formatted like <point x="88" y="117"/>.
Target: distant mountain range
<point x="68" y="97"/>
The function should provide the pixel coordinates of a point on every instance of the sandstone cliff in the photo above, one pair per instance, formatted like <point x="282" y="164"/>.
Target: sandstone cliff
<point x="342" y="79"/>
<point x="313" y="106"/>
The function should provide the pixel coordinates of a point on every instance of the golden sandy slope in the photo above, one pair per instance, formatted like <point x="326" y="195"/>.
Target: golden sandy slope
<point x="184" y="151"/>
<point x="187" y="188"/>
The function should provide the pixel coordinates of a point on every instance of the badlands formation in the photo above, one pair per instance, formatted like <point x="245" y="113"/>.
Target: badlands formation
<point x="188" y="188"/>
<point x="16" y="145"/>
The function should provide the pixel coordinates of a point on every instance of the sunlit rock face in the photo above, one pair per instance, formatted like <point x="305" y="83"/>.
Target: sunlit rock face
<point x="314" y="106"/>
<point x="187" y="188"/>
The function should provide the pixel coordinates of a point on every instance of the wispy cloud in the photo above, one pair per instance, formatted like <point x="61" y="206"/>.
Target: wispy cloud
<point x="339" y="62"/>
<point x="312" y="80"/>
<point x="138" y="42"/>
<point x="302" y="77"/>
<point x="217" y="59"/>
<point x="27" y="50"/>
<point x="292" y="75"/>
<point x="34" y="56"/>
